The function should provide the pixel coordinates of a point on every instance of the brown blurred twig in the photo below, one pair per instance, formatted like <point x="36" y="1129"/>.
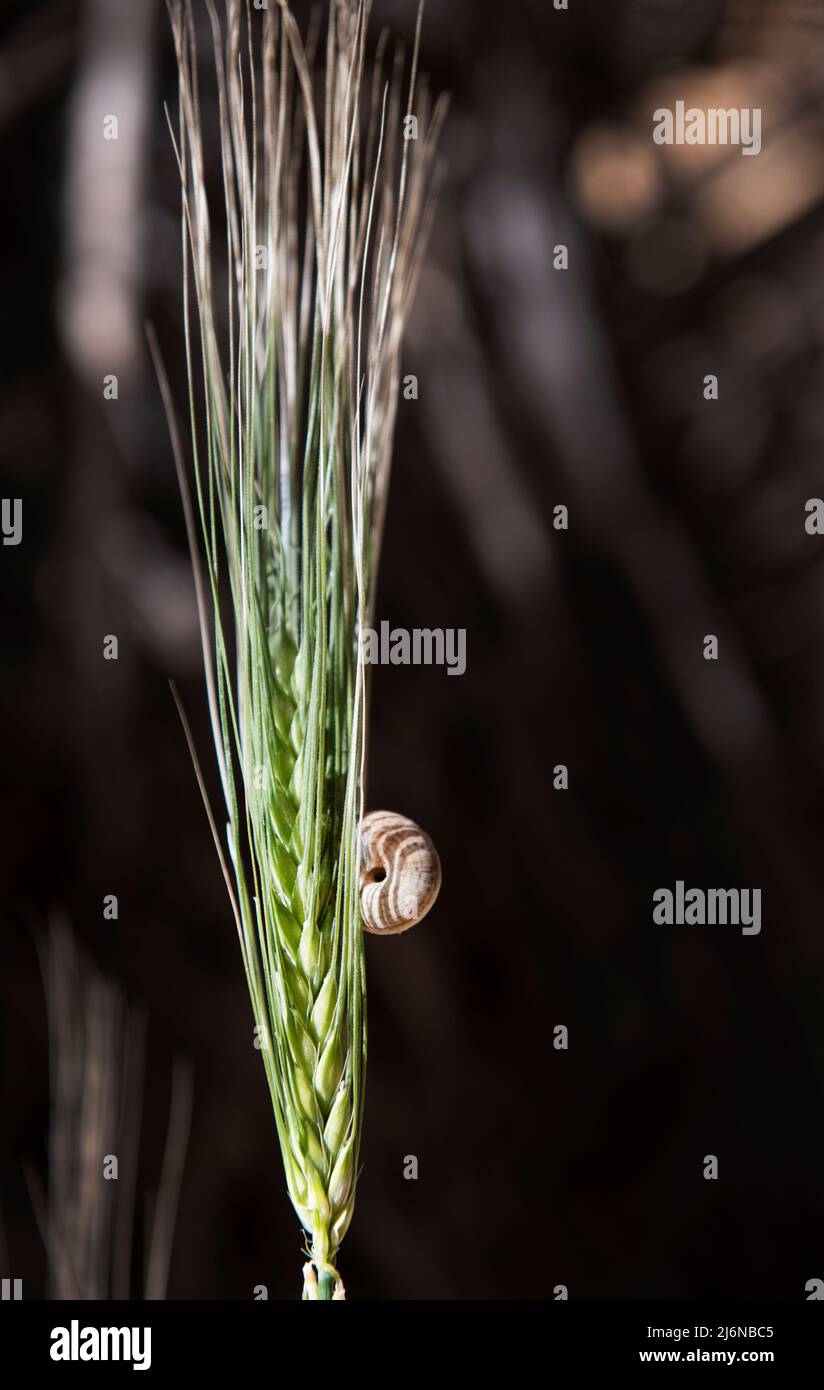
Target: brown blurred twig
<point x="97" y="1053"/>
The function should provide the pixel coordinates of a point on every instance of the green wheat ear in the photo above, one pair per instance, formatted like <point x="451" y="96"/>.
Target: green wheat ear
<point x="293" y="383"/>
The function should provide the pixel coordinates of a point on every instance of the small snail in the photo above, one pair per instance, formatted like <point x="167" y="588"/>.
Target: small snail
<point x="400" y="873"/>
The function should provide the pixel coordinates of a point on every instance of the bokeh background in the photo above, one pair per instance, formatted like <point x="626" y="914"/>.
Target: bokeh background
<point x="538" y="387"/>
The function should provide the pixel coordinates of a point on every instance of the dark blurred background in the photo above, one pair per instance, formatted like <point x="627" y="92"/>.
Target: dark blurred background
<point x="538" y="388"/>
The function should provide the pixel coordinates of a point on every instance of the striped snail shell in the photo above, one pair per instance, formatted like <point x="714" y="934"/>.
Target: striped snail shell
<point x="400" y="873"/>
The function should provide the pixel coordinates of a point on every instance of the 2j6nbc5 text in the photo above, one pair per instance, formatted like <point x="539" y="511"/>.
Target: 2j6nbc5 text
<point x="702" y="1332"/>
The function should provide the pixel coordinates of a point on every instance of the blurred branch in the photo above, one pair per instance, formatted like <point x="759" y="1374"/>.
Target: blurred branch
<point x="86" y="1036"/>
<point x="97" y="1052"/>
<point x="98" y="300"/>
<point x="174" y="1158"/>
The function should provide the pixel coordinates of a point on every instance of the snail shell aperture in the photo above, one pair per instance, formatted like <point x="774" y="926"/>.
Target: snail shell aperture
<point x="400" y="873"/>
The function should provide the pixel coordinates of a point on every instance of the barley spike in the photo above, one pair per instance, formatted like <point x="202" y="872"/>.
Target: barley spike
<point x="297" y="280"/>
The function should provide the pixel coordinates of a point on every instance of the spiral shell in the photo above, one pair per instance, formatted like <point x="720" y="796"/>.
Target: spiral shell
<point x="400" y="873"/>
